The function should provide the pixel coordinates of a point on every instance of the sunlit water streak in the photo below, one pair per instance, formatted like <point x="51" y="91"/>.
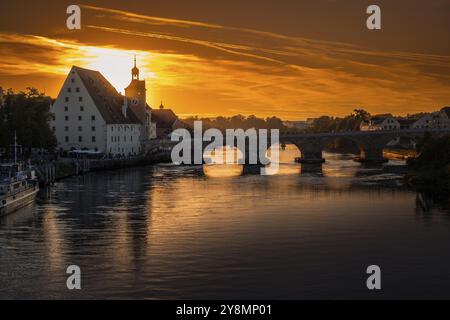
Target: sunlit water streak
<point x="177" y="232"/>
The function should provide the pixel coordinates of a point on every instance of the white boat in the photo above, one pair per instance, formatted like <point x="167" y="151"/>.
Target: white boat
<point x="18" y="188"/>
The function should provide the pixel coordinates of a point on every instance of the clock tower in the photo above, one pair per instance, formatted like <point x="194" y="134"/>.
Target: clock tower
<point x="137" y="99"/>
<point x="136" y="93"/>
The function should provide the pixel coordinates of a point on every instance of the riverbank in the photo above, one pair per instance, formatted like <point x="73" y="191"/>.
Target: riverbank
<point x="430" y="171"/>
<point x="52" y="171"/>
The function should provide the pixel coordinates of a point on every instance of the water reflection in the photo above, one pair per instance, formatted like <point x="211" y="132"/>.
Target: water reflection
<point x="212" y="232"/>
<point x="427" y="202"/>
<point x="336" y="166"/>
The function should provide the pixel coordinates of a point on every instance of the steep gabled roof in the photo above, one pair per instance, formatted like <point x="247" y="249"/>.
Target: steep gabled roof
<point x="106" y="98"/>
<point x="379" y="118"/>
<point x="164" y="118"/>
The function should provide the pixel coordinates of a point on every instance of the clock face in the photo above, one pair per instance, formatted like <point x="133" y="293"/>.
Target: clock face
<point x="135" y="101"/>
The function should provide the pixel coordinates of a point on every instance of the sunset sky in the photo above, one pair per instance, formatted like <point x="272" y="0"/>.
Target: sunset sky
<point x="293" y="59"/>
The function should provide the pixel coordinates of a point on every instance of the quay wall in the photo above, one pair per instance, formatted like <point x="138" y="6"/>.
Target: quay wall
<point x="51" y="171"/>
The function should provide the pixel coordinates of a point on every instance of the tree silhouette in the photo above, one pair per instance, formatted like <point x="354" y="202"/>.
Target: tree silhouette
<point x="27" y="114"/>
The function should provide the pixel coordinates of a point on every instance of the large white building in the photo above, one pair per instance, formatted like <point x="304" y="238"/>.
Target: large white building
<point x="89" y="114"/>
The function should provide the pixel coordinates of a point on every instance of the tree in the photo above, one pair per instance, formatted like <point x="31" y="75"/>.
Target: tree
<point x="275" y="123"/>
<point x="351" y="122"/>
<point x="27" y="114"/>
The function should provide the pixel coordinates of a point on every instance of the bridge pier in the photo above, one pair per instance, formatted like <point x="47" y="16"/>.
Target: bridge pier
<point x="311" y="153"/>
<point x="252" y="168"/>
<point x="311" y="169"/>
<point x="371" y="154"/>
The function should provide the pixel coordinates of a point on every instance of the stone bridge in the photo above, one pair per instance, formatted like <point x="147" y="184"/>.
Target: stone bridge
<point x="370" y="143"/>
<point x="311" y="145"/>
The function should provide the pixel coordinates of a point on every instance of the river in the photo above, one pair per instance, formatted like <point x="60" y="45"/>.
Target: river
<point x="165" y="232"/>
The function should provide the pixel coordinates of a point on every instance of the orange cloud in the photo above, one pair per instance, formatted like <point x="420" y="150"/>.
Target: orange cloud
<point x="248" y="71"/>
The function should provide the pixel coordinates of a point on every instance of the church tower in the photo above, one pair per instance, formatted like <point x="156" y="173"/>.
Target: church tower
<point x="137" y="97"/>
<point x="136" y="94"/>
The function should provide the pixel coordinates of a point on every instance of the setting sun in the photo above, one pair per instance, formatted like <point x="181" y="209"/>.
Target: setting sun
<point x="115" y="64"/>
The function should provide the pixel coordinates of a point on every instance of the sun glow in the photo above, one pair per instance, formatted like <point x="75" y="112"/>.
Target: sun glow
<point x="116" y="64"/>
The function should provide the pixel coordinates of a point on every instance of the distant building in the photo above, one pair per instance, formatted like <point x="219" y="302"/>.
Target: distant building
<point x="90" y="114"/>
<point x="2" y="101"/>
<point x="380" y="122"/>
<point x="425" y="121"/>
<point x="166" y="121"/>
<point x="442" y="118"/>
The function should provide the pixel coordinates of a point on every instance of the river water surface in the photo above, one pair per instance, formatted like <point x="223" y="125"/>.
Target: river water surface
<point x="166" y="232"/>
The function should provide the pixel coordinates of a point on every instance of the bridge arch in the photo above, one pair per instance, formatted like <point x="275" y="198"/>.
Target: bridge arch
<point x="344" y="145"/>
<point x="310" y="149"/>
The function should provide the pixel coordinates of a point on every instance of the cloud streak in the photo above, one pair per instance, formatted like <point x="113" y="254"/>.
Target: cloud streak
<point x="204" y="68"/>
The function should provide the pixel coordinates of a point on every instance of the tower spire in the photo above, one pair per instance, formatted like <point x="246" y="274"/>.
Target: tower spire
<point x="135" y="70"/>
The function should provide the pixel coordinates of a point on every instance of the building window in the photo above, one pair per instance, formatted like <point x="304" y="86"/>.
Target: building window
<point x="66" y="108"/>
<point x="131" y="138"/>
<point x="80" y="128"/>
<point x="72" y="80"/>
<point x="124" y="139"/>
<point x="69" y="89"/>
<point x="66" y="129"/>
<point x="93" y="138"/>
<point x="80" y="99"/>
<point x="112" y="139"/>
<point x="67" y="139"/>
<point x="81" y="108"/>
<point x="93" y="118"/>
<point x="67" y="99"/>
<point x="93" y="128"/>
<point x="80" y="139"/>
<point x="66" y="118"/>
<point x="80" y="118"/>
<point x="78" y="89"/>
<point x="54" y="129"/>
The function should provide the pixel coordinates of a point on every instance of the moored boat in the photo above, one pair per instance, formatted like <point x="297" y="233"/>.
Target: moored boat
<point x="18" y="188"/>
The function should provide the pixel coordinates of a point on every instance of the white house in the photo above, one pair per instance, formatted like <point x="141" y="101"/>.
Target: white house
<point x="380" y="122"/>
<point x="424" y="121"/>
<point x="90" y="114"/>
<point x="442" y="118"/>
